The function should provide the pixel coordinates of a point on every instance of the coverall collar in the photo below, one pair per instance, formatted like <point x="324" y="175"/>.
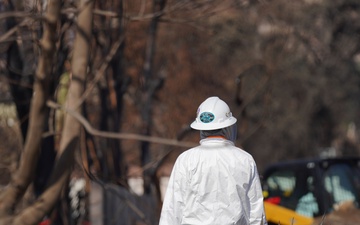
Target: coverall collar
<point x="215" y="139"/>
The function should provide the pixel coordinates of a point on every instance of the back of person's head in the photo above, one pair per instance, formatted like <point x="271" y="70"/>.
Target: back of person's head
<point x="214" y="118"/>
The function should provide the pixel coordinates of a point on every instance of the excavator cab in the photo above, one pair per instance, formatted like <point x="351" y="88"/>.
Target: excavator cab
<point x="297" y="191"/>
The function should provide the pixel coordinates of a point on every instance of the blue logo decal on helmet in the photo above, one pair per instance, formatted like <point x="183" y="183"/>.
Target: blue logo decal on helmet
<point x="207" y="117"/>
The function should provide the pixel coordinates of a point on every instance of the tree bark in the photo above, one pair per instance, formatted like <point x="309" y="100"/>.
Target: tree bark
<point x="38" y="115"/>
<point x="149" y="88"/>
<point x="71" y="132"/>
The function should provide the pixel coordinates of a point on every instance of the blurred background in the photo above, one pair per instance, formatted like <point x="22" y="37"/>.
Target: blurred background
<point x="289" y="70"/>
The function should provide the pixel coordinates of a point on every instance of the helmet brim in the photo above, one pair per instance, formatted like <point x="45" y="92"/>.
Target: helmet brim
<point x="212" y="126"/>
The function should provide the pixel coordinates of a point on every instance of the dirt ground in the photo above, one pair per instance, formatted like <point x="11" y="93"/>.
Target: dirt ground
<point x="344" y="214"/>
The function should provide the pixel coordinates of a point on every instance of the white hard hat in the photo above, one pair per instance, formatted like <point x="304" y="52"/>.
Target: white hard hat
<point x="213" y="114"/>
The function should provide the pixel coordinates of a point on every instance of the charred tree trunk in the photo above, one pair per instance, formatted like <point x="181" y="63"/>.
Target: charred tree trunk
<point x="20" y="84"/>
<point x="118" y="86"/>
<point x="148" y="89"/>
<point x="111" y="90"/>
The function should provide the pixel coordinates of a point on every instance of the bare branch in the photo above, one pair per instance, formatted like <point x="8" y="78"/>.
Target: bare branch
<point x="127" y="136"/>
<point x="18" y="14"/>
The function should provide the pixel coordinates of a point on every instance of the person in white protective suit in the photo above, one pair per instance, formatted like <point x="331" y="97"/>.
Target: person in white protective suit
<point x="216" y="182"/>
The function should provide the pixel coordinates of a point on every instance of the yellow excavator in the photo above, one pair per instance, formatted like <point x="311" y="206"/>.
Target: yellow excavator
<point x="280" y="215"/>
<point x="297" y="191"/>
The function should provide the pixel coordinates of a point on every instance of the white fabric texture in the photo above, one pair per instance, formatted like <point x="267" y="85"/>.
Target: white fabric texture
<point x="215" y="183"/>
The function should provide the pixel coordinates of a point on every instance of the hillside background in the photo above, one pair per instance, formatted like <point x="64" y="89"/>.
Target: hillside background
<point x="289" y="70"/>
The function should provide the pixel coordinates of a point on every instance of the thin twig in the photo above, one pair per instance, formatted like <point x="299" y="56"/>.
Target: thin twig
<point x="5" y="36"/>
<point x="322" y="219"/>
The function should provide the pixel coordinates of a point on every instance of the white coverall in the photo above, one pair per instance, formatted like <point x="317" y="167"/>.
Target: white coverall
<point x="215" y="183"/>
